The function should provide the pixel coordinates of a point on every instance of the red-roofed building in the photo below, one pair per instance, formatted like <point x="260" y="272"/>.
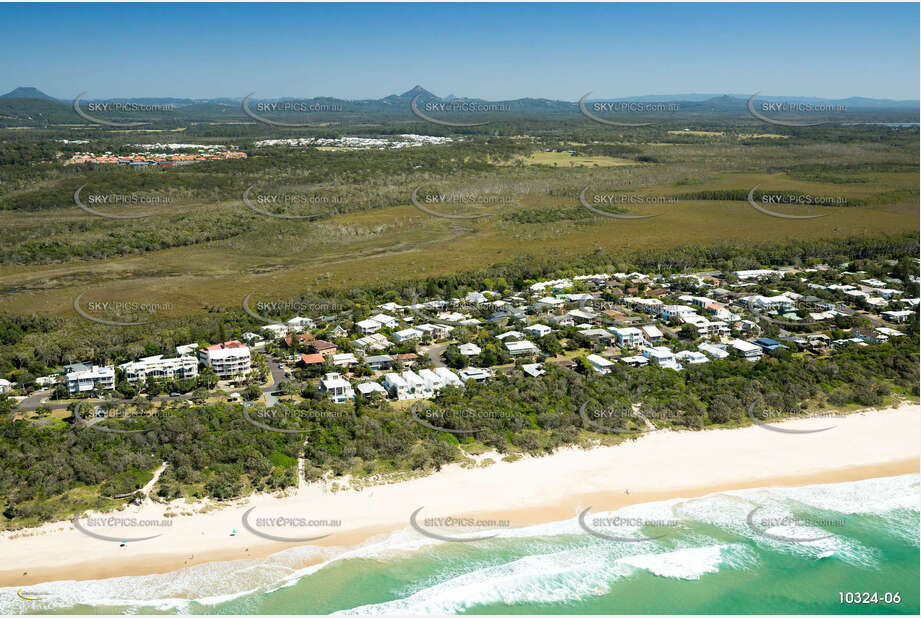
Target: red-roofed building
<point x="311" y="359"/>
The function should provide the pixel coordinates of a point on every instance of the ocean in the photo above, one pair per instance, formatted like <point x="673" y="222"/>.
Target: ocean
<point x="808" y="550"/>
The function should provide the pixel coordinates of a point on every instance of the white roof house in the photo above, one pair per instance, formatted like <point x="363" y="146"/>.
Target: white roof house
<point x="652" y="332"/>
<point x="5" y="385"/>
<point x="368" y="326"/>
<point x="418" y="387"/>
<point x="469" y="349"/>
<point x="692" y="358"/>
<point x="397" y="386"/>
<point x="367" y="389"/>
<point x="635" y="361"/>
<point x="434" y="381"/>
<point x="346" y="359"/>
<point x="337" y="388"/>
<point x="298" y="324"/>
<point x="275" y="331"/>
<point x="189" y="348"/>
<point x="408" y="334"/>
<point x="511" y="333"/>
<point x="628" y="337"/>
<point x="448" y="377"/>
<point x="713" y="350"/>
<point x="520" y="348"/>
<point x="539" y="329"/>
<point x="96" y="376"/>
<point x="599" y="363"/>
<point x="385" y="320"/>
<point x="474" y="373"/>
<point x="535" y="370"/>
<point x="750" y="351"/>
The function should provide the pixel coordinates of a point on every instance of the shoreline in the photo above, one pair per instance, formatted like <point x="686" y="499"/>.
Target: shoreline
<point x="655" y="467"/>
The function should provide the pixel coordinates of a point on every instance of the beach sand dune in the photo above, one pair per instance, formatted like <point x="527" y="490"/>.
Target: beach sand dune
<point x="655" y="466"/>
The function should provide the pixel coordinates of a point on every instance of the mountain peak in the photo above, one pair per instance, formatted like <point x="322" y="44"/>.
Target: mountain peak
<point x="417" y="90"/>
<point x="26" y="92"/>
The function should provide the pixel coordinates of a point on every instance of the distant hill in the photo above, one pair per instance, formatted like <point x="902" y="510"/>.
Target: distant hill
<point x="26" y="92"/>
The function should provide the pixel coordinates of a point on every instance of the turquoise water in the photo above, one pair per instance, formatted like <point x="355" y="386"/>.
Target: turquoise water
<point x="710" y="561"/>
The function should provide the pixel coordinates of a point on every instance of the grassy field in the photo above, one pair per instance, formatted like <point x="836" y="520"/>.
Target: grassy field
<point x="201" y="254"/>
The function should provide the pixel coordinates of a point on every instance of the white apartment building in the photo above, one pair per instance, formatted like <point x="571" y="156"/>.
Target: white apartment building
<point x="448" y="377"/>
<point x="158" y="367"/>
<point x="667" y="312"/>
<point x="227" y="359"/>
<point x="94" y="379"/>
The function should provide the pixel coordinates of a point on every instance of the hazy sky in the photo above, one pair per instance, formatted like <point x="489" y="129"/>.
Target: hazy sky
<point x="493" y="51"/>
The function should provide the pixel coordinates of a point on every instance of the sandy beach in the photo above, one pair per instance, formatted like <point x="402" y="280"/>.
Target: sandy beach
<point x="656" y="466"/>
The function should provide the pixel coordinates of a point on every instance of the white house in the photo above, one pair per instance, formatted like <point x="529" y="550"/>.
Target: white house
<point x="436" y="331"/>
<point x="95" y="378"/>
<point x="902" y="315"/>
<point x="474" y="373"/>
<point x="385" y="320"/>
<point x="416" y="385"/>
<point x="408" y="334"/>
<point x="652" y="333"/>
<point x="535" y="370"/>
<point x="662" y="356"/>
<point x="635" y="361"/>
<point x="691" y="357"/>
<point x="511" y="333"/>
<point x="448" y="377"/>
<point x="469" y="349"/>
<point x="160" y="368"/>
<point x="433" y="381"/>
<point x="599" y="363"/>
<point x="538" y="329"/>
<point x="5" y="385"/>
<point x="46" y="381"/>
<point x="521" y="348"/>
<point x="185" y="350"/>
<point x="274" y="331"/>
<point x="628" y="337"/>
<point x="367" y="389"/>
<point x="346" y="359"/>
<point x="750" y="351"/>
<point x="298" y="324"/>
<point x="397" y="387"/>
<point x="337" y="388"/>
<point x="717" y="352"/>
<point x="366" y="327"/>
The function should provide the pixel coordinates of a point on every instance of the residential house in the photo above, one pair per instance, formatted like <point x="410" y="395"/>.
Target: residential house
<point x="538" y="329"/>
<point x="319" y="346"/>
<point x="448" y="377"/>
<point x="346" y="359"/>
<point x="521" y="348"/>
<point x="370" y="389"/>
<point x="337" y="388"/>
<point x="385" y="320"/>
<point x="750" y="351"/>
<point x="535" y="370"/>
<point x="397" y="387"/>
<point x="308" y="360"/>
<point x="366" y="327"/>
<point x="408" y="334"/>
<point x="379" y="362"/>
<point x="716" y="351"/>
<point x="599" y="363"/>
<point x="628" y="337"/>
<point x="474" y="373"/>
<point x="469" y="349"/>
